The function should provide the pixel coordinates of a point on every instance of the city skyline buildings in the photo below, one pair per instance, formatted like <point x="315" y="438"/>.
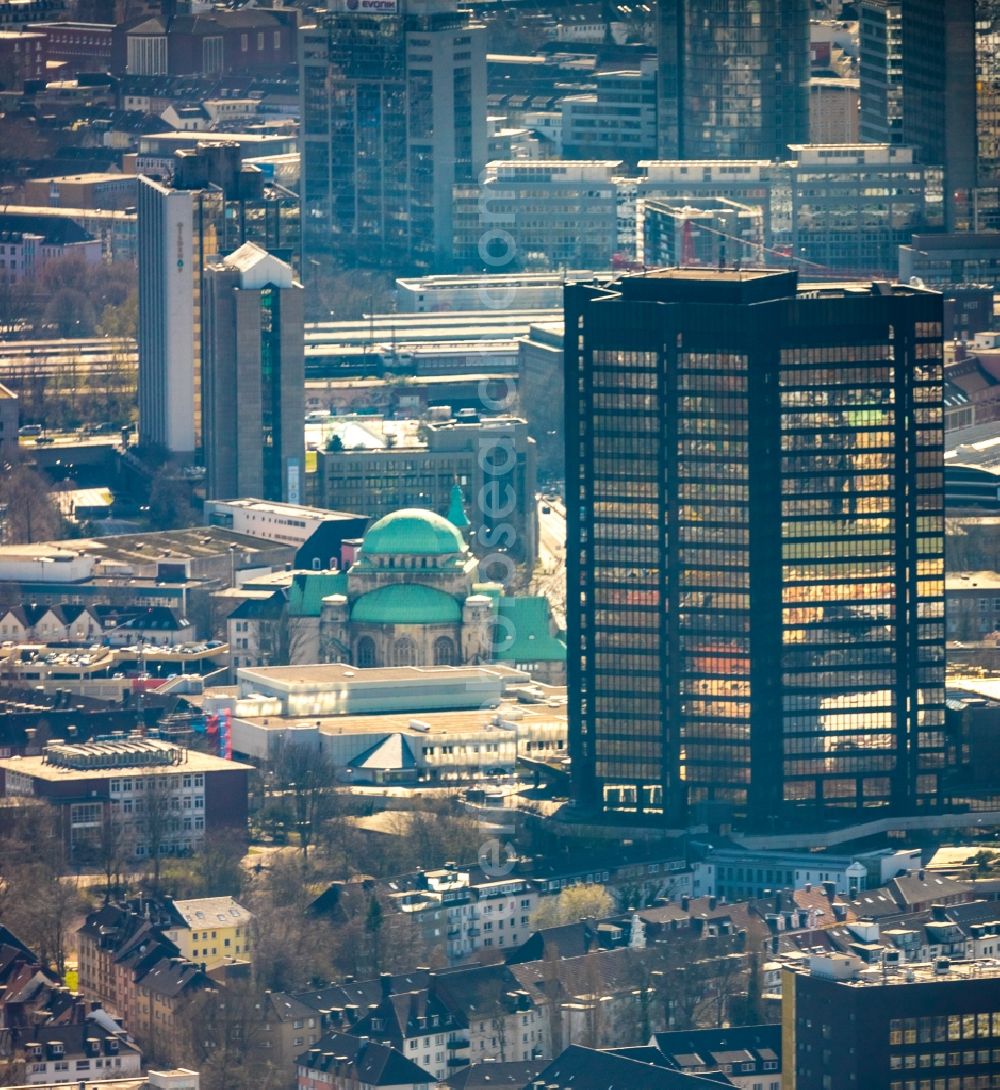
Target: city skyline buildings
<point x="755" y="502"/>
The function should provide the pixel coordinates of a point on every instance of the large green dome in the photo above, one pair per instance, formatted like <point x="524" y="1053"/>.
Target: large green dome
<point x="406" y="603"/>
<point x="412" y="532"/>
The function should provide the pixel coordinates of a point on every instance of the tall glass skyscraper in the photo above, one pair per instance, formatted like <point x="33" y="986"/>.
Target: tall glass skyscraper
<point x="393" y="115"/>
<point x="756" y="518"/>
<point x="734" y="78"/>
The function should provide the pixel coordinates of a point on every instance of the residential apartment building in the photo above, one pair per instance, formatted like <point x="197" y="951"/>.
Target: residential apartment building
<point x="739" y="628"/>
<point x="80" y="46"/>
<point x="28" y="243"/>
<point x="210" y="931"/>
<point x="345" y="1062"/>
<point x="126" y="962"/>
<point x="253" y="377"/>
<point x="733" y="84"/>
<point x="393" y="115"/>
<point x="22" y="54"/>
<point x="116" y="230"/>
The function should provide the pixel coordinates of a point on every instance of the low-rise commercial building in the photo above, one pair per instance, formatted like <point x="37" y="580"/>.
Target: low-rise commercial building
<point x="316" y="533"/>
<point x="403" y="725"/>
<point x="108" y="191"/>
<point x="500" y="291"/>
<point x="951" y="259"/>
<point x="159" y="799"/>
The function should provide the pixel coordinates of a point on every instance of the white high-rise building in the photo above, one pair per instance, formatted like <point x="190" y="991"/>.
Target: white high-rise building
<point x="167" y="335"/>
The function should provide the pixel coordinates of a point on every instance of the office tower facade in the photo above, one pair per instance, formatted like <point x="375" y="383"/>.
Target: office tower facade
<point x="939" y="96"/>
<point x="891" y="1023"/>
<point x="568" y="211"/>
<point x="734" y="78"/>
<point x="838" y="224"/>
<point x="393" y="115"/>
<point x="880" y="31"/>
<point x="756" y="524"/>
<point x="254" y="378"/>
<point x="213" y="206"/>
<point x="708" y="232"/>
<point x="167" y="390"/>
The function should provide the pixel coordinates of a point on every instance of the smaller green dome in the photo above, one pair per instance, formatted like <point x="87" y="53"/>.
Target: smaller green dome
<point x="412" y="532"/>
<point x="406" y="603"/>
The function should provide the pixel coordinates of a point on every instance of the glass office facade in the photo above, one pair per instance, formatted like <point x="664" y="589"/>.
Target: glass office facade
<point x="734" y="78"/>
<point x="393" y="114"/>
<point x="757" y="497"/>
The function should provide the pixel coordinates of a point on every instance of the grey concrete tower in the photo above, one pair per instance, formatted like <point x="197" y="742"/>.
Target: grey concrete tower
<point x="253" y="377"/>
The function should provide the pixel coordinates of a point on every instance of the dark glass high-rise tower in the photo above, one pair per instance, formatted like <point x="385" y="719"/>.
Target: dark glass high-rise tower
<point x="755" y="490"/>
<point x="393" y="97"/>
<point x="734" y="78"/>
<point x="881" y="35"/>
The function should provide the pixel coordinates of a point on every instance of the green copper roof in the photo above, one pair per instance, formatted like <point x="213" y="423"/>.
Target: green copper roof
<point x="406" y="603"/>
<point x="308" y="589"/>
<point x="525" y="621"/>
<point x="414" y="532"/>
<point x="456" y="509"/>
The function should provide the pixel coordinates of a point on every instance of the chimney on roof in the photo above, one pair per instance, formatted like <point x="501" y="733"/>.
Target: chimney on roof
<point x="939" y="913"/>
<point x="808" y="887"/>
<point x="830" y="890"/>
<point x="385" y="979"/>
<point x="352" y="1012"/>
<point x="685" y="904"/>
<point x="922" y="875"/>
<point x="712" y="902"/>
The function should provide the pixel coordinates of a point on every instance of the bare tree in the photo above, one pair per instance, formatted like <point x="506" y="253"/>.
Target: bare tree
<point x="30" y="514"/>
<point x="155" y="821"/>
<point x="306" y="777"/>
<point x="113" y="851"/>
<point x="228" y="1039"/>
